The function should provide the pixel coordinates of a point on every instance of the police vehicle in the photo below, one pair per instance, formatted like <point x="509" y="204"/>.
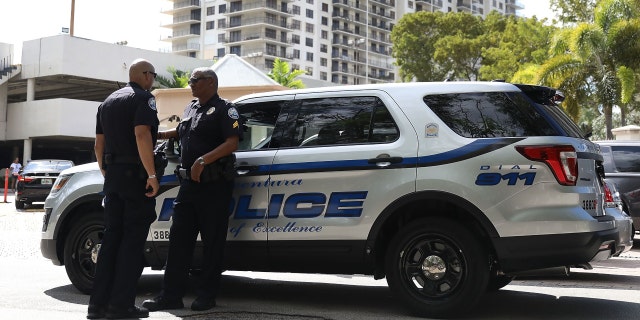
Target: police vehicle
<point x="446" y="189"/>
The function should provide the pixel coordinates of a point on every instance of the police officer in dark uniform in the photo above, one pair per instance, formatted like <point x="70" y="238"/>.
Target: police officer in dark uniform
<point x="126" y="132"/>
<point x="209" y="134"/>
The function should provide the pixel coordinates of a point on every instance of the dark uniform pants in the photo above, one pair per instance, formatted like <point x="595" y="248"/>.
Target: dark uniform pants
<point x="199" y="208"/>
<point x="128" y="215"/>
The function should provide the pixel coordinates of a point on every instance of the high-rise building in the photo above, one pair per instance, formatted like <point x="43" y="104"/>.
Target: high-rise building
<point x="338" y="41"/>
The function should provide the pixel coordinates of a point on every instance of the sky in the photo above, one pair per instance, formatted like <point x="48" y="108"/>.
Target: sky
<point x="135" y="21"/>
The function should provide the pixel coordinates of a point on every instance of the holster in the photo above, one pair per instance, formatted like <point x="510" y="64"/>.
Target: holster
<point x="222" y="169"/>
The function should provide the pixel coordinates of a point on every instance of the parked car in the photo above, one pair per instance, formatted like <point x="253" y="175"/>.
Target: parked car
<point x="447" y="189"/>
<point x="36" y="179"/>
<point x="624" y="223"/>
<point x="622" y="167"/>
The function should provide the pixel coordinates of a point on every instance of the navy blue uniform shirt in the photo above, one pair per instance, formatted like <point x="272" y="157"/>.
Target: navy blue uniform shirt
<point x="205" y="127"/>
<point x="120" y="113"/>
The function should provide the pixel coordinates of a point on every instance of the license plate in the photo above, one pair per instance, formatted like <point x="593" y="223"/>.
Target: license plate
<point x="46" y="181"/>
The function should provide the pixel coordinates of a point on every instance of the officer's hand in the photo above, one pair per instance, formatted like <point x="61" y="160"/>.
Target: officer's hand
<point x="154" y="185"/>
<point x="196" y="171"/>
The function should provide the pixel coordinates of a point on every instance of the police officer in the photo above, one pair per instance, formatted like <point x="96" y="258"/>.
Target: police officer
<point x="209" y="134"/>
<point x="126" y="132"/>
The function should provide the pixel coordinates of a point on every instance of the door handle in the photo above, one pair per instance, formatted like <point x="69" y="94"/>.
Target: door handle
<point x="385" y="161"/>
<point x="244" y="170"/>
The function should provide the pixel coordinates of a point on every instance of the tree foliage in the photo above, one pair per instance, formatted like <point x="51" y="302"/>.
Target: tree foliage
<point x="597" y="61"/>
<point x="282" y="74"/>
<point x="459" y="46"/>
<point x="180" y="79"/>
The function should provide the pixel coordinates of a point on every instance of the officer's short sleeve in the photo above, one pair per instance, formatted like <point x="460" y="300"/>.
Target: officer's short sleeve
<point x="231" y="125"/>
<point x="146" y="111"/>
<point x="99" y="129"/>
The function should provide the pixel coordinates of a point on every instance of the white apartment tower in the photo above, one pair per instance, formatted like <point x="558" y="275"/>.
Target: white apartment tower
<point x="337" y="41"/>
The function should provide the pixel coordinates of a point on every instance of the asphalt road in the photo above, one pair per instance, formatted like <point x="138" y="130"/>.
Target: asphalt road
<point x="33" y="288"/>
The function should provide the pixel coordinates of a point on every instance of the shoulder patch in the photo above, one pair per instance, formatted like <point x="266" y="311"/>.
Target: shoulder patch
<point x="152" y="103"/>
<point x="233" y="113"/>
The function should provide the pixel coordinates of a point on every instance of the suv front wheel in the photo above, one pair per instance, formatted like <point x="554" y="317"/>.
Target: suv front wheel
<point x="437" y="267"/>
<point x="81" y="250"/>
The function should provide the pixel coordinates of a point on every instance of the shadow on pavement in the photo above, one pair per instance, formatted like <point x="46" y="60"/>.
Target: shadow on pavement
<point x="251" y="298"/>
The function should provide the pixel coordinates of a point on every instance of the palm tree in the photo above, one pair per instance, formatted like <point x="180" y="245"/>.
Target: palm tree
<point x="282" y="74"/>
<point x="597" y="61"/>
<point x="180" y="79"/>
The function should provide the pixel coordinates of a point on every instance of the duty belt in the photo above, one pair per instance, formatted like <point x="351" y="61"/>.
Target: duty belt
<point x="110" y="158"/>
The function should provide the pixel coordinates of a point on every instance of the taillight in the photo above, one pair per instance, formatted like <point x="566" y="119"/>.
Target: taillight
<point x="22" y="178"/>
<point x="562" y="160"/>
<point x="608" y="196"/>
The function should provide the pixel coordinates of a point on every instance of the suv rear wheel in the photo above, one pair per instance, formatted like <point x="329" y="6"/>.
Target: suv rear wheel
<point x="81" y="250"/>
<point x="437" y="267"/>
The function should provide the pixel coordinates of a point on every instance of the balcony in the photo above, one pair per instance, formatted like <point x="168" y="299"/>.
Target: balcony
<point x="189" y="47"/>
<point x="182" y="20"/>
<point x="182" y="35"/>
<point x="241" y="23"/>
<point x="258" y="37"/>
<point x="430" y="5"/>
<point x="259" y="6"/>
<point x="350" y="4"/>
<point x="387" y="3"/>
<point x="183" y="6"/>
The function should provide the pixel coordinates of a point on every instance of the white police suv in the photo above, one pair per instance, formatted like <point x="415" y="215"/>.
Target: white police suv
<point x="446" y="189"/>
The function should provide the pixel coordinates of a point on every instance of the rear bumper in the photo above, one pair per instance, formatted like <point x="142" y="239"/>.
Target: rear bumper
<point x="555" y="250"/>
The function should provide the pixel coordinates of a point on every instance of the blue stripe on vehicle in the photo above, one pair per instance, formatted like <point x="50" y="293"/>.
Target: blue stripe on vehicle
<point x="474" y="149"/>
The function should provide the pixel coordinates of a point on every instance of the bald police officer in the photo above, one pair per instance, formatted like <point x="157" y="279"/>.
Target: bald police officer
<point x="126" y="132"/>
<point x="209" y="134"/>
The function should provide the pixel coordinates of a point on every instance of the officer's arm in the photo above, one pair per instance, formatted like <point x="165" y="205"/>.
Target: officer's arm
<point x="226" y="148"/>
<point x="145" y="150"/>
<point x="99" y="150"/>
<point x="168" y="134"/>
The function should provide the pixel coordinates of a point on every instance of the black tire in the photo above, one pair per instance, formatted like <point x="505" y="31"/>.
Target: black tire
<point x="19" y="205"/>
<point x="81" y="250"/>
<point x="497" y="282"/>
<point x="460" y="268"/>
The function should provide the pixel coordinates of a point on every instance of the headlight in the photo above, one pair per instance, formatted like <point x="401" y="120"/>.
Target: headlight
<point x="61" y="181"/>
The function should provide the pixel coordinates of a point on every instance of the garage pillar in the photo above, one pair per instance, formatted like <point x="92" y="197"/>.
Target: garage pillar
<point x="27" y="146"/>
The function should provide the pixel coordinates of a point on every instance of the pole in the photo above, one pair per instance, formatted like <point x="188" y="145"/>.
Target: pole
<point x="6" y="183"/>
<point x="73" y="10"/>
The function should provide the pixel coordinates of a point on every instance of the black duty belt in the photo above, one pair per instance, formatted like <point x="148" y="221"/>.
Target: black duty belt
<point x="110" y="158"/>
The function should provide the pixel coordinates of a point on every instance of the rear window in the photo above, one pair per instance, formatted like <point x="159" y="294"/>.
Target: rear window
<point x="489" y="114"/>
<point x="626" y="158"/>
<point x="48" y="165"/>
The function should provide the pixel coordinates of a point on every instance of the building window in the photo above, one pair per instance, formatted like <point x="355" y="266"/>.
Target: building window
<point x="211" y="11"/>
<point x="323" y="48"/>
<point x="323" y="76"/>
<point x="309" y="42"/>
<point x="309" y="27"/>
<point x="325" y="7"/>
<point x="325" y="21"/>
<point x="324" y="34"/>
<point x="222" y="38"/>
<point x="323" y="62"/>
<point x="310" y="56"/>
<point x="309" y="71"/>
<point x="309" y="13"/>
<point x="235" y="50"/>
<point x="310" y="1"/>
<point x="296" y="10"/>
<point x="410" y="4"/>
<point x="220" y="53"/>
<point x="210" y="25"/>
<point x="295" y="39"/>
<point x="222" y="23"/>
<point x="296" y="54"/>
<point x="295" y="67"/>
<point x="270" y="33"/>
<point x="222" y="8"/>
<point x="295" y="24"/>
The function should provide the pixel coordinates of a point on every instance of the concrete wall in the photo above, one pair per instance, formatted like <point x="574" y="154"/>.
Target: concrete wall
<point x="54" y="117"/>
<point x="81" y="57"/>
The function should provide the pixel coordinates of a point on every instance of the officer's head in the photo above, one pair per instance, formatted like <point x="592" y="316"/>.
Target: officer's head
<point x="143" y="73"/>
<point x="203" y="83"/>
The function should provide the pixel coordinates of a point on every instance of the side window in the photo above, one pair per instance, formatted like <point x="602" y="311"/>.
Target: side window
<point x="259" y="121"/>
<point x="626" y="158"/>
<point x="488" y="115"/>
<point x="339" y="121"/>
